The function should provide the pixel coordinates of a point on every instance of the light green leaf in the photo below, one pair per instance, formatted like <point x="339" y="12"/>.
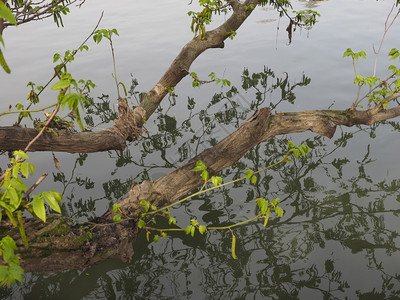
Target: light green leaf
<point x="25" y="169"/>
<point x="188" y="229"/>
<point x="249" y="173"/>
<point x="279" y="211"/>
<point x="51" y="201"/>
<point x="267" y="217"/>
<point x="194" y="222"/>
<point x="200" y="166"/>
<point x="15" y="199"/>
<point x="172" y="220"/>
<point x="234" y="246"/>
<point x="253" y="179"/>
<point x="62" y="84"/>
<point x="20" y="154"/>
<point x="117" y="218"/>
<point x="141" y="223"/>
<point x="205" y="175"/>
<point x="38" y="208"/>
<point x="192" y="231"/>
<point x="15" y="169"/>
<point x="6" y="14"/>
<point x="202" y="229"/>
<point x="216" y="180"/>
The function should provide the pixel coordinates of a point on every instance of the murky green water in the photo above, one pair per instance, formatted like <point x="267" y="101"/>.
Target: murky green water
<point x="338" y="238"/>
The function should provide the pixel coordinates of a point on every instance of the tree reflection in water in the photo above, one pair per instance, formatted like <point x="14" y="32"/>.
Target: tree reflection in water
<point x="338" y="237"/>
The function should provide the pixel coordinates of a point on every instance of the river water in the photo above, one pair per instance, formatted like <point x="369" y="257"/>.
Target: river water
<point x="338" y="238"/>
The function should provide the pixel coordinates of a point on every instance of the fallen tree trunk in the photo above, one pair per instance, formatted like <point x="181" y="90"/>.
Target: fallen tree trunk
<point x="60" y="245"/>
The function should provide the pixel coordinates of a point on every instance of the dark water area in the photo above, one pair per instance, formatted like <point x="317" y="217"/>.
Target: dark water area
<point x="338" y="237"/>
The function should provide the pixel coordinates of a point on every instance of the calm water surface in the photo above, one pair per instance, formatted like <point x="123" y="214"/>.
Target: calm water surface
<point x="338" y="237"/>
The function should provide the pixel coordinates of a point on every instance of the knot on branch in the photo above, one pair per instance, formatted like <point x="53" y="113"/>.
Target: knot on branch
<point x="129" y="124"/>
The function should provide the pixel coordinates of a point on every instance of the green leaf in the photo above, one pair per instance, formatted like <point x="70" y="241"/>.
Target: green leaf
<point x="249" y="173"/>
<point x="188" y="229"/>
<point x="117" y="218"/>
<point x="62" y="84"/>
<point x="202" y="229"/>
<point x="156" y="238"/>
<point x="15" y="199"/>
<point x="10" y="274"/>
<point x="234" y="246"/>
<point x="3" y="62"/>
<point x="267" y="216"/>
<point x="8" y="242"/>
<point x="25" y="169"/>
<point x="38" y="208"/>
<point x="171" y="220"/>
<point x="200" y="166"/>
<point x="146" y="205"/>
<point x="253" y="179"/>
<point x="115" y="207"/>
<point x="216" y="180"/>
<point x="20" y="154"/>
<point x="51" y="201"/>
<point x="279" y="211"/>
<point x="56" y="57"/>
<point x="15" y="169"/>
<point x="264" y="206"/>
<point x="194" y="222"/>
<point x="192" y="231"/>
<point x="394" y="53"/>
<point x="6" y="14"/>
<point x="205" y="175"/>
<point x="141" y="223"/>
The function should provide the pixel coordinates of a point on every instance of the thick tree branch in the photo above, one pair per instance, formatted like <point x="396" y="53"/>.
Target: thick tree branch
<point x="181" y="65"/>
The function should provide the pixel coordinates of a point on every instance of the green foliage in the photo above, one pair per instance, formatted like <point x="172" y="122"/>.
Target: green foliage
<point x="297" y="150"/>
<point x="11" y="271"/>
<point x="13" y="203"/>
<point x="307" y="17"/>
<point x="6" y="14"/>
<point x="379" y="89"/>
<point x="197" y="82"/>
<point x="106" y="33"/>
<point x="200" y="166"/>
<point x="263" y="204"/>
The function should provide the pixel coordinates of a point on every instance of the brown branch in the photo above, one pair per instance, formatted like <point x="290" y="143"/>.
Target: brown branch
<point x="35" y="185"/>
<point x="181" y="65"/>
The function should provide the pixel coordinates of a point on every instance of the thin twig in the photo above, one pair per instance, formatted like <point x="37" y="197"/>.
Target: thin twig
<point x="44" y="127"/>
<point x="384" y="35"/>
<point x="35" y="185"/>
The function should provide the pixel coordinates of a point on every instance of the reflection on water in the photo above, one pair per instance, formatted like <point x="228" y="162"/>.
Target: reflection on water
<point x="338" y="237"/>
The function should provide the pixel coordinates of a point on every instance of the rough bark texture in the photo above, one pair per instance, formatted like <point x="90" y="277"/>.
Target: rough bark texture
<point x="58" y="245"/>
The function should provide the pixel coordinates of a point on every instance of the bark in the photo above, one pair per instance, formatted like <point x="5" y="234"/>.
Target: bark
<point x="60" y="245"/>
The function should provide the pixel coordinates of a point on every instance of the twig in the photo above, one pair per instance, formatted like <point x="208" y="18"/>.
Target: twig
<point x="35" y="185"/>
<point x="44" y="127"/>
<point x="384" y="34"/>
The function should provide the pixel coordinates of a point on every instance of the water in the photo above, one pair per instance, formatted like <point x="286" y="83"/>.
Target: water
<point x="338" y="237"/>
